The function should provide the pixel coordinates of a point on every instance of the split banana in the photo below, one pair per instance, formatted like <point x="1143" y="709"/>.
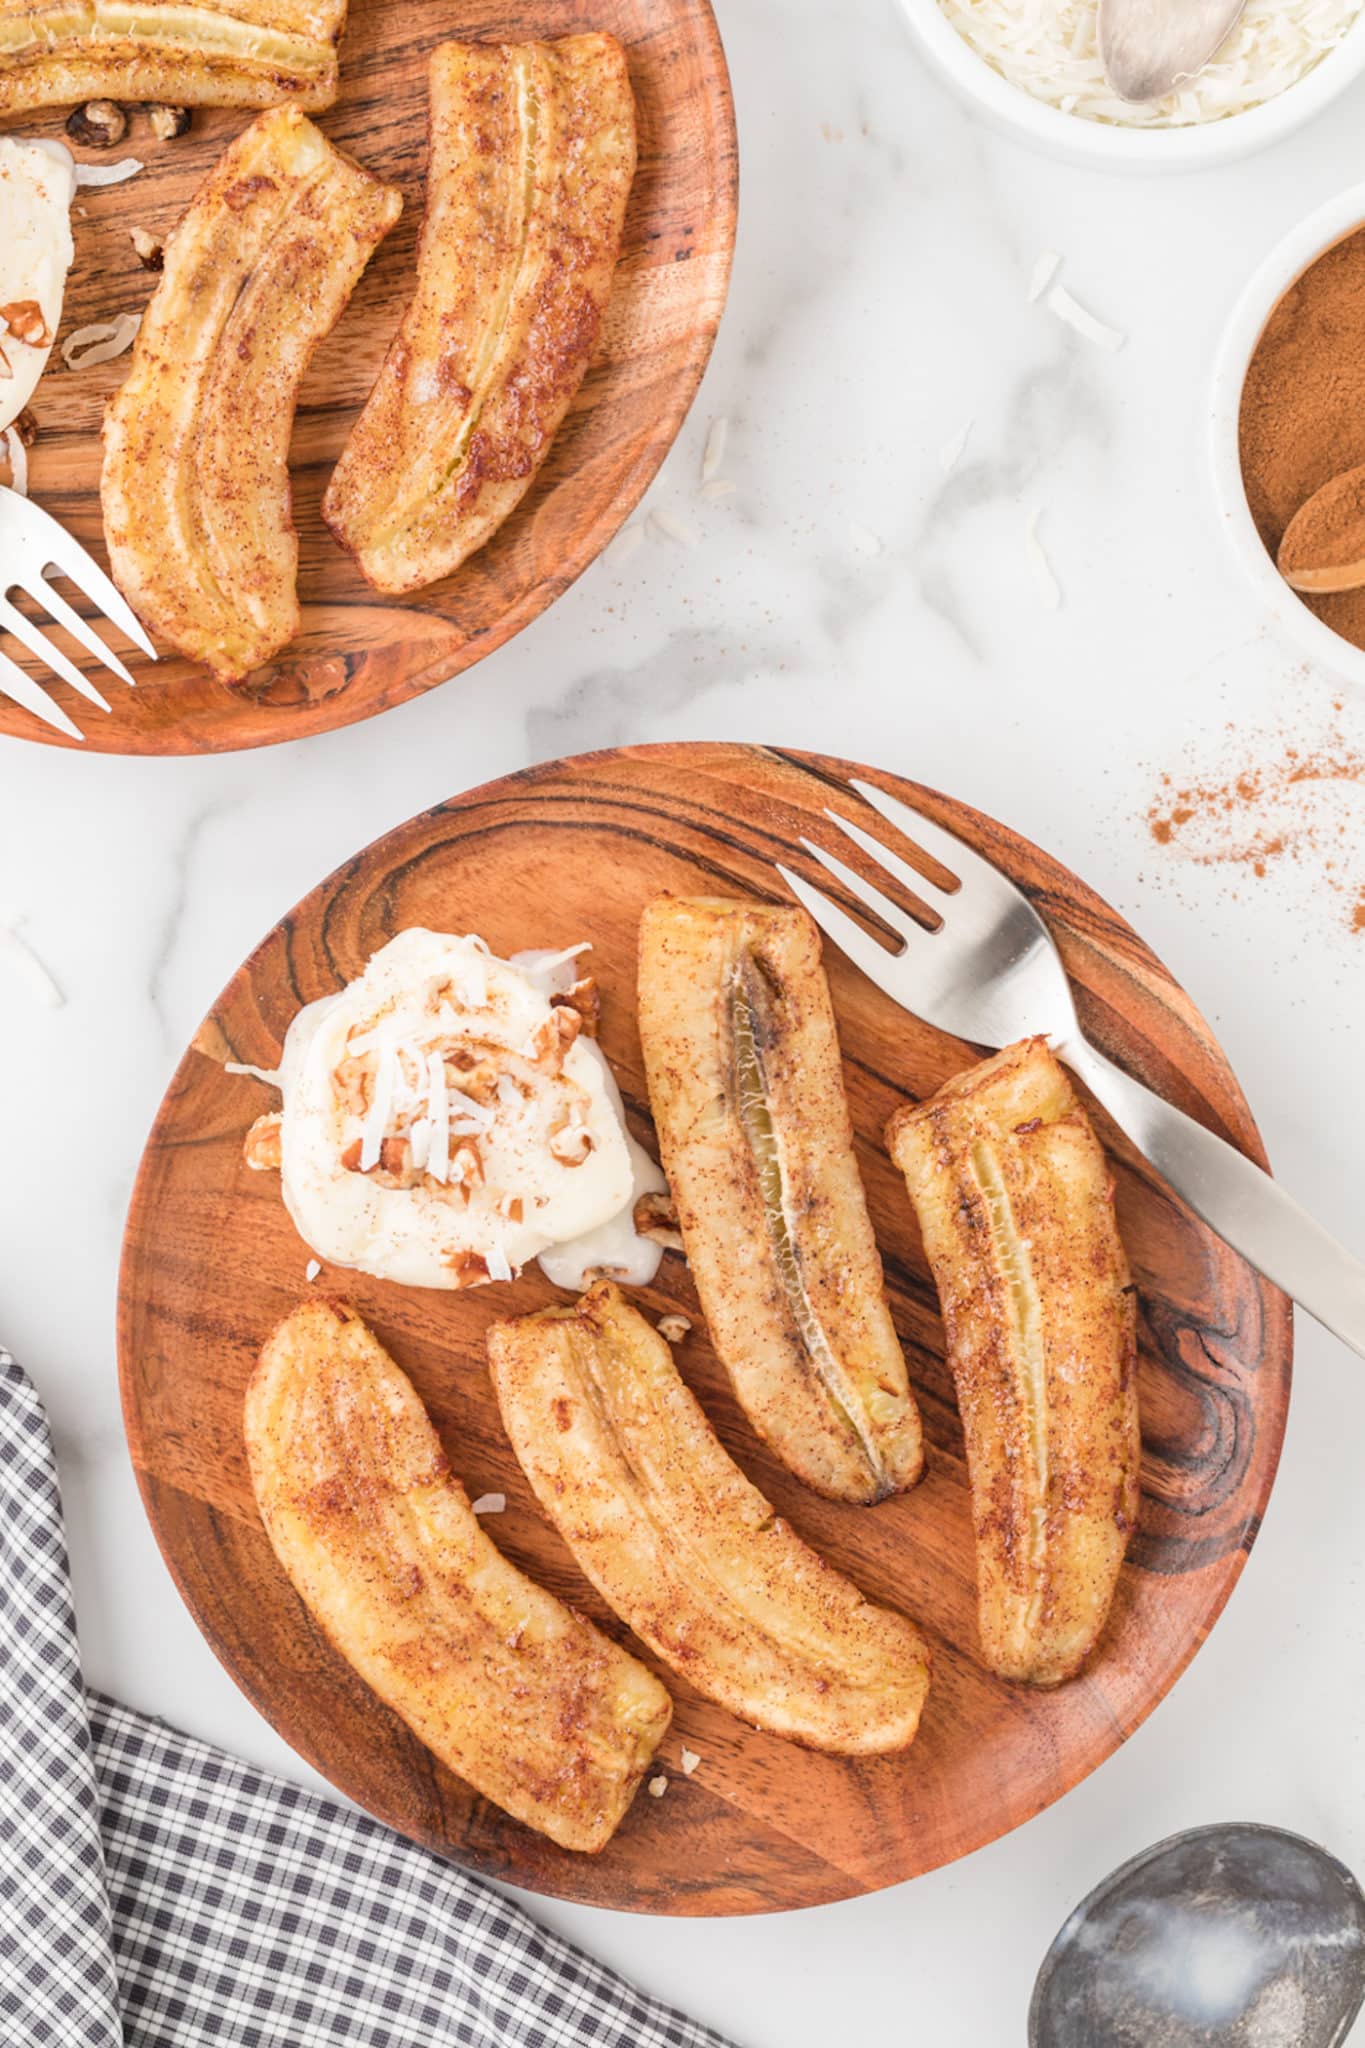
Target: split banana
<point x="754" y="1131"/>
<point x="684" y="1547"/>
<point x="1015" y="1204"/>
<point x="532" y="156"/>
<point x="195" y="487"/>
<point x="516" y="1693"/>
<point x="181" y="53"/>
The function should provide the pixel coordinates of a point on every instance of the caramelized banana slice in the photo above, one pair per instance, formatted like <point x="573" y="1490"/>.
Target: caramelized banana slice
<point x="249" y="53"/>
<point x="686" y="1550"/>
<point x="195" y="487"/>
<point x="1016" y="1207"/>
<point x="532" y="155"/>
<point x="748" y="1099"/>
<point x="519" y="1695"/>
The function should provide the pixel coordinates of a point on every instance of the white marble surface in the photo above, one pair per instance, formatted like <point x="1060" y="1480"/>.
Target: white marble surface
<point x="878" y="302"/>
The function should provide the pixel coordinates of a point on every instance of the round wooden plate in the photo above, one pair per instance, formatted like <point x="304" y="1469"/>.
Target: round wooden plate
<point x="211" y="1263"/>
<point x="358" y="652"/>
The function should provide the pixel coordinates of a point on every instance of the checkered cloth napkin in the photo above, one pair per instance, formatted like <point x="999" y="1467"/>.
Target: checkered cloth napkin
<point x="156" y="1893"/>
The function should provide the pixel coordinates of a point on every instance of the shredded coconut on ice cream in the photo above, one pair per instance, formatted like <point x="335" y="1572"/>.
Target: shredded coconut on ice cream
<point x="1048" y="48"/>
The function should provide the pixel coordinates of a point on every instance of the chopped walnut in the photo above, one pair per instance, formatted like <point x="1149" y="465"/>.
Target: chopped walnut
<point x="149" y="249"/>
<point x="26" y="321"/>
<point x="466" y="1166"/>
<point x="166" y="123"/>
<point x="674" y="1328"/>
<point x="261" y="1146"/>
<point x="656" y="1217"/>
<point x="551" y="1040"/>
<point x="99" y="124"/>
<point x="26" y="427"/>
<point x="470" y="1072"/>
<point x="584" y="998"/>
<point x="570" y="1143"/>
<point x="468" y="1269"/>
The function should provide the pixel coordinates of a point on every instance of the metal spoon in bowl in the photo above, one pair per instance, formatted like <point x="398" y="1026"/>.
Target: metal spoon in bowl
<point x="1149" y="46"/>
<point x="1323" y="546"/>
<point x="1235" y="1936"/>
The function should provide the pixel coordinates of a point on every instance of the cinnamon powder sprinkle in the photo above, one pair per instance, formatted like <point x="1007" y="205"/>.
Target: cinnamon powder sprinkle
<point x="1277" y="798"/>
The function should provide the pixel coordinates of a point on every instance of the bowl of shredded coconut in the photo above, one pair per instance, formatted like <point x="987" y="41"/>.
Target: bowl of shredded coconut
<point x="1033" y="66"/>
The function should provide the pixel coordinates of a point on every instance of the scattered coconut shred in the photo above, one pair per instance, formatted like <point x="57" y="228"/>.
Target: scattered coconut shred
<point x="1076" y="315"/>
<point x="1048" y="48"/>
<point x="108" y="174"/>
<point x="101" y="341"/>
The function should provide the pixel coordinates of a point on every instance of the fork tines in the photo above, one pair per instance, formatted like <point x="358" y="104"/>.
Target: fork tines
<point x="31" y="543"/>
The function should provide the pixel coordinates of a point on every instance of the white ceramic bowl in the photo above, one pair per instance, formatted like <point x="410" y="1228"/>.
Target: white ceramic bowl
<point x="1286" y="262"/>
<point x="1106" y="146"/>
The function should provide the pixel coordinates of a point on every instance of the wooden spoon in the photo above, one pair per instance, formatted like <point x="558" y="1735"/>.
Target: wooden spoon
<point x="1323" y="546"/>
<point x="1149" y="46"/>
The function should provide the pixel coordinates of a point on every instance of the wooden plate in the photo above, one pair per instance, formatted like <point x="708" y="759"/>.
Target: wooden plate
<point x="211" y="1263"/>
<point x="358" y="652"/>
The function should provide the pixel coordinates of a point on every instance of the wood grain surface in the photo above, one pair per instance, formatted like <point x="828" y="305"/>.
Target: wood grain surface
<point x="211" y="1263"/>
<point x="358" y="652"/>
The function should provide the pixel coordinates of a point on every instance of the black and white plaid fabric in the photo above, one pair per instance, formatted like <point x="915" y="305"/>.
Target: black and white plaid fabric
<point x="156" y="1893"/>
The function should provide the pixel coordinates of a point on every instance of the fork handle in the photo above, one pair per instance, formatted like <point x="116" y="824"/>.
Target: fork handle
<point x="1234" y="1196"/>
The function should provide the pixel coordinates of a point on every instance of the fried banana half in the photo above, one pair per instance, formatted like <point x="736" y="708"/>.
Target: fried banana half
<point x="1016" y="1208"/>
<point x="684" y="1547"/>
<point x="195" y="485"/>
<point x="532" y="156"/>
<point x="517" y="1694"/>
<point x="747" y="1092"/>
<point x="183" y="53"/>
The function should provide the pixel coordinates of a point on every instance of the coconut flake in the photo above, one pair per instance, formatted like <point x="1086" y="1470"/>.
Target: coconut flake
<point x="1042" y="274"/>
<point x="625" y="544"/>
<point x="498" y="1264"/>
<point x="18" y="460"/>
<point x="1049" y="590"/>
<point x="375" y="1127"/>
<point x="109" y="174"/>
<point x="1049" y="48"/>
<point x="490" y="1503"/>
<point x="545" y="967"/>
<point x="690" y="1760"/>
<point x="665" y="525"/>
<point x="101" y="341"/>
<point x="950" y="454"/>
<point x="311" y="1271"/>
<point x="714" y="453"/>
<point x="657" y="1786"/>
<point x="438" y="1115"/>
<point x="30" y="968"/>
<point x="270" y="1075"/>
<point x="1075" y="315"/>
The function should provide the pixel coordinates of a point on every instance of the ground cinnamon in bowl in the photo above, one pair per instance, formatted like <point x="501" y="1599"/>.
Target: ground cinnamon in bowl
<point x="1302" y="418"/>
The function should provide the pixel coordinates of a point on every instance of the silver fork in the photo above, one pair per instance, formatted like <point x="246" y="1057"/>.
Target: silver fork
<point x="991" y="974"/>
<point x="31" y="543"/>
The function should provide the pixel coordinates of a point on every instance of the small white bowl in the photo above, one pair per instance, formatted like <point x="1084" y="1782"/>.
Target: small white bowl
<point x="1104" y="145"/>
<point x="1286" y="262"/>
